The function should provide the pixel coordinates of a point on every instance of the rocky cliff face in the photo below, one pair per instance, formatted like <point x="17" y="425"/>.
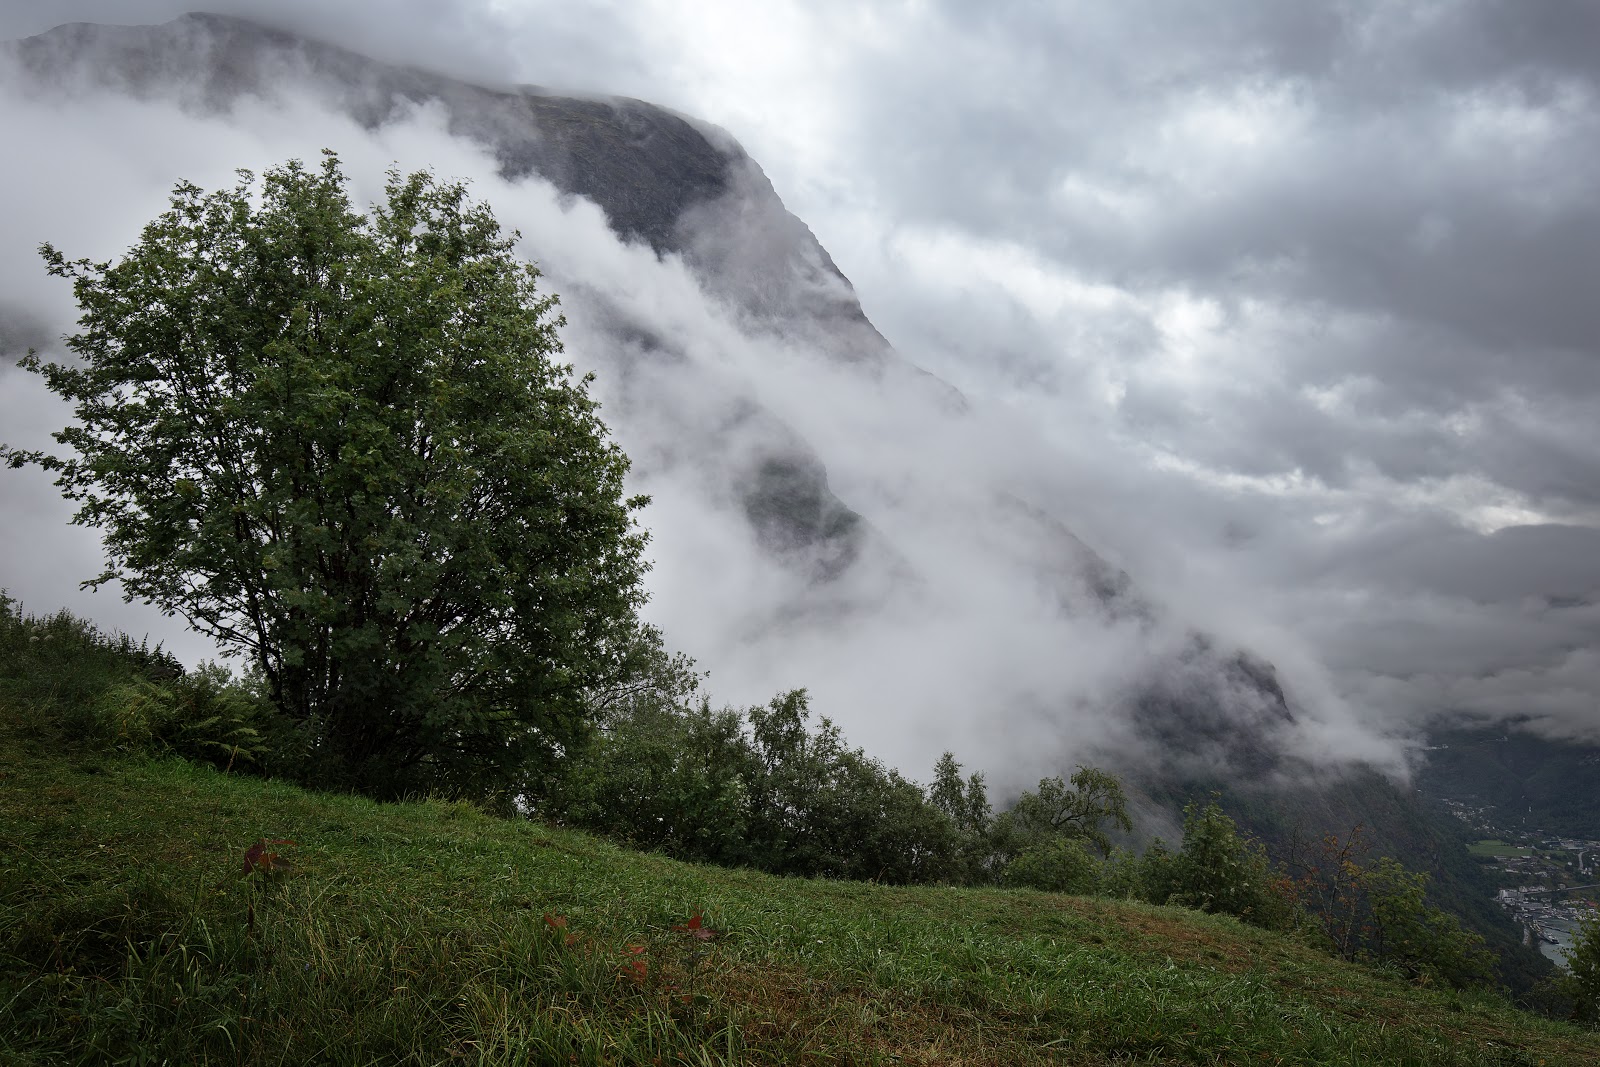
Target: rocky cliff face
<point x="678" y="185"/>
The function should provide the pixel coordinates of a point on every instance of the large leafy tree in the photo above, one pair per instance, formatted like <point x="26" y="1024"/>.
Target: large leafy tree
<point x="340" y="444"/>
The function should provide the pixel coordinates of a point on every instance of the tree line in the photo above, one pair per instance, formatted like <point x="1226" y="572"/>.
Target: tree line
<point x="768" y="787"/>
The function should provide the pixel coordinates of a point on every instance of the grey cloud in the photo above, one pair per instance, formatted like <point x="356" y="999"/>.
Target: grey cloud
<point x="1554" y="565"/>
<point x="1369" y="208"/>
<point x="1463" y="41"/>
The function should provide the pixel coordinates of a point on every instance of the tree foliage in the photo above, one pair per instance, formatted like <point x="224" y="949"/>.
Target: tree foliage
<point x="965" y="803"/>
<point x="1218" y="869"/>
<point x="1057" y="865"/>
<point x="1376" y="911"/>
<point x="1581" y="982"/>
<point x="340" y="444"/>
<point x="665" y="778"/>
<point x="1078" y="810"/>
<point x="820" y="807"/>
<point x="765" y="788"/>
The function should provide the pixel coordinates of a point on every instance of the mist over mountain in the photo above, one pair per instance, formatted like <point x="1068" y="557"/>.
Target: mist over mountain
<point x="826" y="513"/>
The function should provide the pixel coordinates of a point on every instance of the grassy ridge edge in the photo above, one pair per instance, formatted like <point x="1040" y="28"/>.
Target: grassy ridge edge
<point x="430" y="933"/>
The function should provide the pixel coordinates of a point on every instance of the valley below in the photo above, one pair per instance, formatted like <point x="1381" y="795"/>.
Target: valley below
<point x="1529" y="804"/>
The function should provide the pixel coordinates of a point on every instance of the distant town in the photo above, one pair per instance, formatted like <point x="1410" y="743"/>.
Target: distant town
<point x="1557" y="879"/>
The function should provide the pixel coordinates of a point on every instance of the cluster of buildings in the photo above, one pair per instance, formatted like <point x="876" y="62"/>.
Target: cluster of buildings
<point x="1545" y="915"/>
<point x="1557" y="896"/>
<point x="1479" y="817"/>
<point x="1586" y="854"/>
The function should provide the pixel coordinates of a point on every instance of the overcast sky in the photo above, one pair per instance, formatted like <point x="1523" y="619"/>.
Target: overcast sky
<point x="1302" y="296"/>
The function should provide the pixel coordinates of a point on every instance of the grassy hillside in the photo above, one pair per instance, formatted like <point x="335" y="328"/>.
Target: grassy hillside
<point x="429" y="933"/>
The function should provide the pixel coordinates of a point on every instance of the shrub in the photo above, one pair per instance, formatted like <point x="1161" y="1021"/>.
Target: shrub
<point x="1220" y="870"/>
<point x="206" y="716"/>
<point x="1425" y="943"/>
<point x="1581" y="983"/>
<point x="817" y="807"/>
<point x="1060" y="865"/>
<point x="1376" y="912"/>
<point x="783" y="796"/>
<point x="1122" y="874"/>
<point x="54" y="669"/>
<point x="663" y="778"/>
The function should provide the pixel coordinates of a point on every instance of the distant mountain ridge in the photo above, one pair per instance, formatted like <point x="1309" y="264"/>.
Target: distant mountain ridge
<point x="658" y="175"/>
<point x="1525" y="781"/>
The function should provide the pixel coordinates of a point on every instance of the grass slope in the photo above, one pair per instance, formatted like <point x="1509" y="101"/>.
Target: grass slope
<point x="429" y="933"/>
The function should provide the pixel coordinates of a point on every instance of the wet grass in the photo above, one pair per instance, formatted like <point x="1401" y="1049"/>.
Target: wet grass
<point x="429" y="933"/>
